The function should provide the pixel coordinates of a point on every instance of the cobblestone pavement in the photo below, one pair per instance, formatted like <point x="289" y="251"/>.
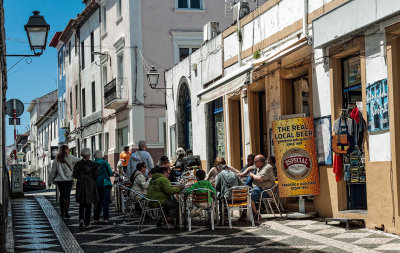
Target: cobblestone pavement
<point x="36" y="219"/>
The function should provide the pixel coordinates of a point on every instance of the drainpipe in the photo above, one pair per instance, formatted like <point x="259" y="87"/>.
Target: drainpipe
<point x="305" y="22"/>
<point x="239" y="32"/>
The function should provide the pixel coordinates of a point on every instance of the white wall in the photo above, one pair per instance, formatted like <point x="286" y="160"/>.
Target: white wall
<point x="376" y="69"/>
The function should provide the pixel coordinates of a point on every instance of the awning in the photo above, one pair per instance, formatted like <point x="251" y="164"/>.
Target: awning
<point x="225" y="85"/>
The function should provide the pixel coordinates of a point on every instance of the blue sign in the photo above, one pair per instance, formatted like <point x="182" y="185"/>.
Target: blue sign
<point x="377" y="106"/>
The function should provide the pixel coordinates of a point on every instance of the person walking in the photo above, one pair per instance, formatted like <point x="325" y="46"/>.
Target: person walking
<point x="61" y="175"/>
<point x="141" y="155"/>
<point x="103" y="184"/>
<point x="86" y="172"/>
<point x="124" y="156"/>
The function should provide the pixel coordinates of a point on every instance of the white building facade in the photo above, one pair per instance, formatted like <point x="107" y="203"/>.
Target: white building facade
<point x="316" y="58"/>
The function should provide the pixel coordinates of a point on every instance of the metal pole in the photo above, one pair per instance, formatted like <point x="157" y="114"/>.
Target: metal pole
<point x="15" y="129"/>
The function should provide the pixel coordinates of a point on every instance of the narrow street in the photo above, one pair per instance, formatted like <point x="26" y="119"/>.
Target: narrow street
<point x="38" y="227"/>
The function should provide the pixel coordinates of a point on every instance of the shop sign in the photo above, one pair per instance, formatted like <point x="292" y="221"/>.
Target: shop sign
<point x="296" y="157"/>
<point x="377" y="106"/>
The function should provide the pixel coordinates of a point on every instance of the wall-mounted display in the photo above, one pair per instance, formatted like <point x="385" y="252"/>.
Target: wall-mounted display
<point x="377" y="106"/>
<point x="323" y="140"/>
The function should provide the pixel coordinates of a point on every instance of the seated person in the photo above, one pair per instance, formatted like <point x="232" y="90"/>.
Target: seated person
<point x="263" y="179"/>
<point x="250" y="164"/>
<point x="189" y="152"/>
<point x="164" y="162"/>
<point x="271" y="160"/>
<point x="201" y="184"/>
<point x="218" y="165"/>
<point x="139" y="181"/>
<point x="189" y="162"/>
<point x="160" y="189"/>
<point x="226" y="180"/>
<point x="177" y="167"/>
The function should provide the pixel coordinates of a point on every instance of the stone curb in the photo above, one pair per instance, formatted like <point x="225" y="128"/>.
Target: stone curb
<point x="9" y="231"/>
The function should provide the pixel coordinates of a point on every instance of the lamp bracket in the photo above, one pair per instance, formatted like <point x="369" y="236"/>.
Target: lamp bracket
<point x="19" y="55"/>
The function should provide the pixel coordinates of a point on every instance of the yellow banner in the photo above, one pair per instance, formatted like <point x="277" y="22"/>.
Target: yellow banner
<point x="296" y="157"/>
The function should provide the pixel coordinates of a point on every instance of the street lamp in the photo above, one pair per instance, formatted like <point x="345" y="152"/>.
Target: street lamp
<point x="152" y="77"/>
<point x="37" y="30"/>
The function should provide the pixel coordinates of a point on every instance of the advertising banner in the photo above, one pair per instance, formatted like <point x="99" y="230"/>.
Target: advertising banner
<point x="377" y="106"/>
<point x="296" y="157"/>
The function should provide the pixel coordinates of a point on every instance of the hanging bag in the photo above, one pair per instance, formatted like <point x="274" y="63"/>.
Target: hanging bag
<point x="342" y="143"/>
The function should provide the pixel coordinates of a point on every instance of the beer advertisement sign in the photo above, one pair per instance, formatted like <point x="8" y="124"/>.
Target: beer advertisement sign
<point x="296" y="157"/>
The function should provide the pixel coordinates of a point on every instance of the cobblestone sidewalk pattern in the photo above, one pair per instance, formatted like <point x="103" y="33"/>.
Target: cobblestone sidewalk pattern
<point x="37" y="223"/>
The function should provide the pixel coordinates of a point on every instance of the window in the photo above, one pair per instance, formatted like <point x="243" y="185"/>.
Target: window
<point x="91" y="46"/>
<point x="106" y="143"/>
<point x="76" y="98"/>
<point x="103" y="19"/>
<point x="60" y="64"/>
<point x="119" y="8"/>
<point x="93" y="144"/>
<point x="76" y="44"/>
<point x="301" y="96"/>
<point x="120" y="80"/>
<point x="69" y="52"/>
<point x="83" y="54"/>
<point x="104" y="75"/>
<point x="54" y="128"/>
<point x="83" y="103"/>
<point x="185" y="52"/>
<point x="85" y="143"/>
<point x="351" y="81"/>
<point x="189" y="4"/>
<point x="70" y="103"/>
<point x="51" y="131"/>
<point x="93" y="97"/>
<point x="100" y="141"/>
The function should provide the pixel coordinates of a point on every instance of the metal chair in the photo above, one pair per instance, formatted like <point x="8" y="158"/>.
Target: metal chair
<point x="199" y="197"/>
<point x="240" y="199"/>
<point x="273" y="197"/>
<point x="131" y="201"/>
<point x="151" y="207"/>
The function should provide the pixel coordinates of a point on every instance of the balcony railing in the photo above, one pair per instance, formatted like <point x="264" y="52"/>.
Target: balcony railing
<point x="115" y="94"/>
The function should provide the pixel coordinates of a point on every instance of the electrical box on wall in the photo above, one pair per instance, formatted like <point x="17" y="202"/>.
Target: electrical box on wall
<point x="210" y="30"/>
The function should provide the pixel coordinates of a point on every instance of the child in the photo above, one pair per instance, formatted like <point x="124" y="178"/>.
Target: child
<point x="201" y="184"/>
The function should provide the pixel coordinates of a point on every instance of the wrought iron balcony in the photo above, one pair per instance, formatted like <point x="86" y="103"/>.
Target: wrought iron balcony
<point x="115" y="94"/>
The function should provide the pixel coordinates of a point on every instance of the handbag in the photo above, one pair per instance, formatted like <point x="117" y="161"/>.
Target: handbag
<point x="342" y="143"/>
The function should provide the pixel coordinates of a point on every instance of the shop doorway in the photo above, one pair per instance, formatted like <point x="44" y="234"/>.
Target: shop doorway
<point x="218" y="125"/>
<point x="296" y="96"/>
<point x="235" y="133"/>
<point x="184" y="117"/>
<point x="263" y="124"/>
<point x="258" y="122"/>
<point x="354" y="166"/>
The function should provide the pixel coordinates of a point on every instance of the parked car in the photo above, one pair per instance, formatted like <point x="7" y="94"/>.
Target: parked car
<point x="34" y="184"/>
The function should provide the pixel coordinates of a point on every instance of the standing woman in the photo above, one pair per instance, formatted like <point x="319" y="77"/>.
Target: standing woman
<point x="61" y="174"/>
<point x="103" y="184"/>
<point x="86" y="171"/>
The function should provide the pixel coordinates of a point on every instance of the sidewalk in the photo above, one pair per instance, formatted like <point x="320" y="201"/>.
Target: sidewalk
<point x="38" y="227"/>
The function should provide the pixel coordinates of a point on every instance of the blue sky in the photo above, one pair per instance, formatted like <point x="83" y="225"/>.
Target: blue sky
<point x="29" y="81"/>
